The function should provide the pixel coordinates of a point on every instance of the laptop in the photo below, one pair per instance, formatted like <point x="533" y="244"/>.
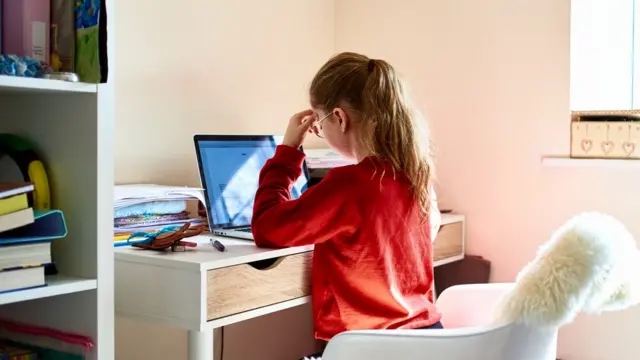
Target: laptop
<point x="229" y="168"/>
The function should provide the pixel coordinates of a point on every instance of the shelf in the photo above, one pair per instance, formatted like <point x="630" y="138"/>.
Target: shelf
<point x="14" y="84"/>
<point x="560" y="161"/>
<point x="56" y="285"/>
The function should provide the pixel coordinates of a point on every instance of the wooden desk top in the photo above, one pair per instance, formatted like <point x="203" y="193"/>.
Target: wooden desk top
<point x="205" y="257"/>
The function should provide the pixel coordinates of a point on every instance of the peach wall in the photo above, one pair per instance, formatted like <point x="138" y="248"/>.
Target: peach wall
<point x="211" y="67"/>
<point x="493" y="78"/>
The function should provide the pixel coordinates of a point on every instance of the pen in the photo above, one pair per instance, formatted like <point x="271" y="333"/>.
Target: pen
<point x="218" y="245"/>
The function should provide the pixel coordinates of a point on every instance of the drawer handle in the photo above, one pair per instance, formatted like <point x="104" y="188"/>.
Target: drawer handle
<point x="266" y="264"/>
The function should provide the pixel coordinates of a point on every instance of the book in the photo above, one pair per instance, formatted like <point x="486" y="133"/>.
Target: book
<point x="10" y="351"/>
<point x="13" y="203"/>
<point x="25" y="255"/>
<point x="16" y="219"/>
<point x="13" y="197"/>
<point x="22" y="279"/>
<point x="26" y="28"/>
<point x="8" y="189"/>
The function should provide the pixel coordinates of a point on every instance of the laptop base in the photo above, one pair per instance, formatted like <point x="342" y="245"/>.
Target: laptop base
<point x="233" y="234"/>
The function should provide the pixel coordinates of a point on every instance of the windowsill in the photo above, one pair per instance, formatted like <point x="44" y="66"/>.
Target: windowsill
<point x="565" y="161"/>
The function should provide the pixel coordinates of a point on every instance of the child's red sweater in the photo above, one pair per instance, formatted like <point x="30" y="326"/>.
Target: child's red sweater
<point x="372" y="264"/>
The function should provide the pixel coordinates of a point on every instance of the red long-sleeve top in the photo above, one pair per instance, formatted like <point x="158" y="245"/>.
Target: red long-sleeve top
<point x="372" y="265"/>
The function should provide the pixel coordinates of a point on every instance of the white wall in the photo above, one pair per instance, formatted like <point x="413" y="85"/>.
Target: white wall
<point x="211" y="67"/>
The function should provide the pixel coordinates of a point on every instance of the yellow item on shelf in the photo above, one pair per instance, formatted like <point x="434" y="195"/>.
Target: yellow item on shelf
<point x="33" y="170"/>
<point x="14" y="203"/>
<point x="42" y="194"/>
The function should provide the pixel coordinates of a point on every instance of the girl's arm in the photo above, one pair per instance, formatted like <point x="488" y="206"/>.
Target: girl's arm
<point x="321" y="213"/>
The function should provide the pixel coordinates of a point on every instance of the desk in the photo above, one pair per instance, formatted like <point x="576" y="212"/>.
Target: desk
<point x="204" y="289"/>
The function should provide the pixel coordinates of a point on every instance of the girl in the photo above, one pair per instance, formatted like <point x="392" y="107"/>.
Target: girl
<point x="372" y="223"/>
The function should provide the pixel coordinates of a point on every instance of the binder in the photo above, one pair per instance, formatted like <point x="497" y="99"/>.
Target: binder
<point x="48" y="225"/>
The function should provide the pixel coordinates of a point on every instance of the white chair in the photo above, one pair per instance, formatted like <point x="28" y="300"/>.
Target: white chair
<point x="468" y="335"/>
<point x="589" y="265"/>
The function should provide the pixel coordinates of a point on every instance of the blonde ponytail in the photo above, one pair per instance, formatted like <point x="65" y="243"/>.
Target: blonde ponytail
<point x="391" y="128"/>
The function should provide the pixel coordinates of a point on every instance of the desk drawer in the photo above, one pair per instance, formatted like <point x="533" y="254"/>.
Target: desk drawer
<point x="449" y="241"/>
<point x="240" y="288"/>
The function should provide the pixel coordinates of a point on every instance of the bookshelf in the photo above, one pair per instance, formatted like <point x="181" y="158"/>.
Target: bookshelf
<point x="72" y="127"/>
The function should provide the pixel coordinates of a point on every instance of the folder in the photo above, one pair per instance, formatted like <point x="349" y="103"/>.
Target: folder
<point x="48" y="225"/>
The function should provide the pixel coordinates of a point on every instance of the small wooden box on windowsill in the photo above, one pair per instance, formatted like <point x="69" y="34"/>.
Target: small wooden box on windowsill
<point x="605" y="134"/>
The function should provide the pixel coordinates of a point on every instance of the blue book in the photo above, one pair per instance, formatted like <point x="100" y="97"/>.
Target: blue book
<point x="48" y="225"/>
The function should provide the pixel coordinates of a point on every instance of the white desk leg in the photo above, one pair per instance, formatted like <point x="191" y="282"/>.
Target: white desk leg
<point x="200" y="345"/>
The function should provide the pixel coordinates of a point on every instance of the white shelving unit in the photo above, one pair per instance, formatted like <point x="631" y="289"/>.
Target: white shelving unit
<point x="72" y="127"/>
<point x="56" y="285"/>
<point x="9" y="84"/>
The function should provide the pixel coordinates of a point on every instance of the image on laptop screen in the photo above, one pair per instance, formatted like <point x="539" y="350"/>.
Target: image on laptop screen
<point x="230" y="171"/>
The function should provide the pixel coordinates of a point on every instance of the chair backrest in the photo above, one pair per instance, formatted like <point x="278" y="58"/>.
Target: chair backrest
<point x="470" y="305"/>
<point x="510" y="342"/>
<point x="469" y="334"/>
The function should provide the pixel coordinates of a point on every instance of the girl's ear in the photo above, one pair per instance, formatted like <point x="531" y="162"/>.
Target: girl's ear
<point x="343" y="119"/>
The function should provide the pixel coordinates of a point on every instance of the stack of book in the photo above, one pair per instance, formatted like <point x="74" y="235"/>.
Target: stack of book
<point x="21" y="263"/>
<point x="11" y="351"/>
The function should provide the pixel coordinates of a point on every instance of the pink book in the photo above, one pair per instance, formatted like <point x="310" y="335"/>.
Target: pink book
<point x="26" y="28"/>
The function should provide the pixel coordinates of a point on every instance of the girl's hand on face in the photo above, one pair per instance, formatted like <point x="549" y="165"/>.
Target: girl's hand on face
<point x="299" y="125"/>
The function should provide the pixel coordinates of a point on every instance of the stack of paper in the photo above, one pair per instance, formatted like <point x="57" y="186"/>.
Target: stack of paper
<point x="325" y="159"/>
<point x="134" y="194"/>
<point x="150" y="207"/>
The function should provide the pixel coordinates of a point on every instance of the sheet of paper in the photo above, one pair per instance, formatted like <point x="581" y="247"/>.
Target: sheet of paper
<point x="325" y="158"/>
<point x="133" y="194"/>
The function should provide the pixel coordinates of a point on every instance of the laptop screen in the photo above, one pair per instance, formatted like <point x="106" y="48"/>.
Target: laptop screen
<point x="229" y="170"/>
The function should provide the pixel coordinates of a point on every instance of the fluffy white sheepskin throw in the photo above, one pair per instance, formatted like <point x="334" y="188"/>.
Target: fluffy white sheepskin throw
<point x="591" y="264"/>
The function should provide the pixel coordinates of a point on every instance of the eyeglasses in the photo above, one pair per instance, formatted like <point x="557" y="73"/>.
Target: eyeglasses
<point x="318" y="125"/>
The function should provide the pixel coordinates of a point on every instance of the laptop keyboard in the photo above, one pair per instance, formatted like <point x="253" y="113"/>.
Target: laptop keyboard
<point x="247" y="230"/>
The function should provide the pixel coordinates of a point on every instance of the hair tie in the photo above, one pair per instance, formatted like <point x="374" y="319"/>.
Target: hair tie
<point x="370" y="65"/>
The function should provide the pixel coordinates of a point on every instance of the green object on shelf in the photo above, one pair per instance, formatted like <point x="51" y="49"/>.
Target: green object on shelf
<point x="48" y="354"/>
<point x="90" y="47"/>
